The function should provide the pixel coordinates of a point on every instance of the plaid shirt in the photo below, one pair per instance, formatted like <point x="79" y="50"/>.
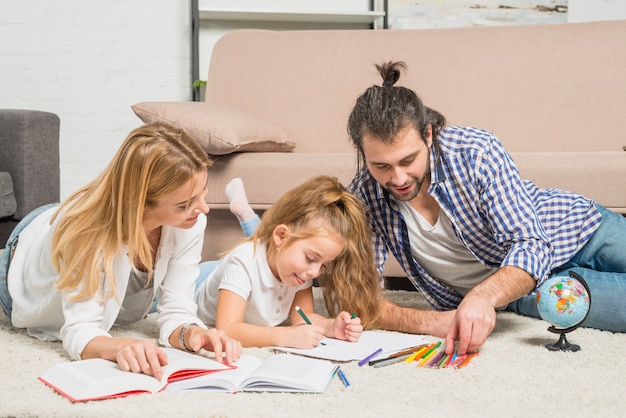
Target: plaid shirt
<point x="502" y="219"/>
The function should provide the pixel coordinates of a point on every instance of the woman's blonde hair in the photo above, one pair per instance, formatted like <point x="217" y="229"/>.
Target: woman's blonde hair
<point x="98" y="219"/>
<point x="322" y="205"/>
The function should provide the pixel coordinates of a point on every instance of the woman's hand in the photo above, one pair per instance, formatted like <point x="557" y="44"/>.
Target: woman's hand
<point x="347" y="328"/>
<point x="226" y="349"/>
<point x="141" y="356"/>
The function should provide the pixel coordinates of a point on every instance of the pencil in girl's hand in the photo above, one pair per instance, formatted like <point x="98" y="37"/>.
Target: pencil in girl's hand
<point x="303" y="315"/>
<point x="306" y="319"/>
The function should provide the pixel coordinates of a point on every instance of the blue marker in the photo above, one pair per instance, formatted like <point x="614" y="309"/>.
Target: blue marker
<point x="343" y="378"/>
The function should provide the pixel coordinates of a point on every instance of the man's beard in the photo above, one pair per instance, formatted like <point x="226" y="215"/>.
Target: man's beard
<point x="414" y="180"/>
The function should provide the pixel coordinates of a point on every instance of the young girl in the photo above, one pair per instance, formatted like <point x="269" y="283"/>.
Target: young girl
<point x="316" y="230"/>
<point x="70" y="273"/>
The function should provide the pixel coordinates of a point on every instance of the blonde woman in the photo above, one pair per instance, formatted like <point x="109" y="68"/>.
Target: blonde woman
<point x="316" y="230"/>
<point x="100" y="258"/>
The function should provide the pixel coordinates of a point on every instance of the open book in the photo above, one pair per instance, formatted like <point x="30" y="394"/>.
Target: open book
<point x="96" y="379"/>
<point x="277" y="373"/>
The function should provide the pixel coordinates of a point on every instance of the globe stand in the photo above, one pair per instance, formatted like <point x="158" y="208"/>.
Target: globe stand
<point x="562" y="344"/>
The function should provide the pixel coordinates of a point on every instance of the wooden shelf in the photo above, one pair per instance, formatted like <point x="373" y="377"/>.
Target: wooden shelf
<point x="290" y="16"/>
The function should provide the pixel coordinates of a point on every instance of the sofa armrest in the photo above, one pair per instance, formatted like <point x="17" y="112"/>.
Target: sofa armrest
<point x="29" y="140"/>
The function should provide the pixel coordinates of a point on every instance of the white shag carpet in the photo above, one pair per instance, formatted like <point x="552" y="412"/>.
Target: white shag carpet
<point x="514" y="376"/>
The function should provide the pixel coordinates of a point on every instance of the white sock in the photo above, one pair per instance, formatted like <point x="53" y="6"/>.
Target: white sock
<point x="239" y="205"/>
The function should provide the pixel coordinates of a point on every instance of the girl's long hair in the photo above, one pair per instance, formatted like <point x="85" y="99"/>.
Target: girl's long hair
<point x="97" y="220"/>
<point x="322" y="205"/>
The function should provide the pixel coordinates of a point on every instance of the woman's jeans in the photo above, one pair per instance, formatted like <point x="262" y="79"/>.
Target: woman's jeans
<point x="602" y="264"/>
<point x="5" y="259"/>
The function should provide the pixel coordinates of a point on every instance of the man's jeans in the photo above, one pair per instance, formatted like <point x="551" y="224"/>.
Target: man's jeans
<point x="602" y="264"/>
<point x="5" y="258"/>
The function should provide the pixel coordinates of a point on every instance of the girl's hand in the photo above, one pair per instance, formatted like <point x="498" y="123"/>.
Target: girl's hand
<point x="141" y="356"/>
<point x="347" y="328"/>
<point x="226" y="349"/>
<point x="305" y="336"/>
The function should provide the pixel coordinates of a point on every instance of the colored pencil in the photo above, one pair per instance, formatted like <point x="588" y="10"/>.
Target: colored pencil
<point x="409" y="350"/>
<point x="435" y="359"/>
<point x="402" y="353"/>
<point x="451" y="360"/>
<point x="459" y="360"/>
<point x="388" y="361"/>
<point x="444" y="361"/>
<point x="467" y="359"/>
<point x="426" y="359"/>
<point x="428" y="354"/>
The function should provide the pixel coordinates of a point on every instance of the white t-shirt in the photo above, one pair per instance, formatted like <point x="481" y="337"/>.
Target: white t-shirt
<point x="440" y="252"/>
<point x="247" y="274"/>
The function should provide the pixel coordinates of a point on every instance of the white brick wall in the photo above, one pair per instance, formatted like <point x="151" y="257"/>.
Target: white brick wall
<point x="89" y="61"/>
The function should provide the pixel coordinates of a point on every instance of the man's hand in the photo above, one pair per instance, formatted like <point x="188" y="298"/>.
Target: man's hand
<point x="476" y="314"/>
<point x="474" y="320"/>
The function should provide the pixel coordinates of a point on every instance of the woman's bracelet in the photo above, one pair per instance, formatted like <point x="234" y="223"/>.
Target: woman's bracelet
<point x="181" y="336"/>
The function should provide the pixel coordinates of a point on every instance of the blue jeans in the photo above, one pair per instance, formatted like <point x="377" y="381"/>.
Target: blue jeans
<point x="207" y="267"/>
<point x="602" y="264"/>
<point x="5" y="260"/>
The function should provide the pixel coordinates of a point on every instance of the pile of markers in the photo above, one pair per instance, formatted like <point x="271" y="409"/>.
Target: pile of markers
<point x="430" y="356"/>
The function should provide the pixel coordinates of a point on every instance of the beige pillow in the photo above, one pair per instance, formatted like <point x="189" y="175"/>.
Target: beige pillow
<point x="218" y="129"/>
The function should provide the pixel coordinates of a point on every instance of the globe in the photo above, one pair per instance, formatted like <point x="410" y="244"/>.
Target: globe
<point x="564" y="302"/>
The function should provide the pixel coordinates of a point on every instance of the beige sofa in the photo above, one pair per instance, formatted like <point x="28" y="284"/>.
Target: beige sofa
<point x="555" y="95"/>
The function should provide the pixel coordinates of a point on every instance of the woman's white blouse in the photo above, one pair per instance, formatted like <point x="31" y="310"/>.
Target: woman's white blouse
<point x="50" y="314"/>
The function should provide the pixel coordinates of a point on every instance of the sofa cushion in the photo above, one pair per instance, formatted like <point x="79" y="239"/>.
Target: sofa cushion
<point x="600" y="175"/>
<point x="218" y="129"/>
<point x="8" y="205"/>
<point x="267" y="176"/>
<point x="265" y="179"/>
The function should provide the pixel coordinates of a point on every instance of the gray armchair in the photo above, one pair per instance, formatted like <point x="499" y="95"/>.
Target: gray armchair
<point x="29" y="164"/>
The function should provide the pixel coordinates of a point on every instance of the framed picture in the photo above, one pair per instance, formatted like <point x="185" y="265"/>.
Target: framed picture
<point x="412" y="14"/>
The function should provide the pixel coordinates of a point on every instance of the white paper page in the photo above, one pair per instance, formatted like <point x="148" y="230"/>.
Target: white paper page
<point x="369" y="342"/>
<point x="182" y="360"/>
<point x="95" y="378"/>
<point x="287" y="373"/>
